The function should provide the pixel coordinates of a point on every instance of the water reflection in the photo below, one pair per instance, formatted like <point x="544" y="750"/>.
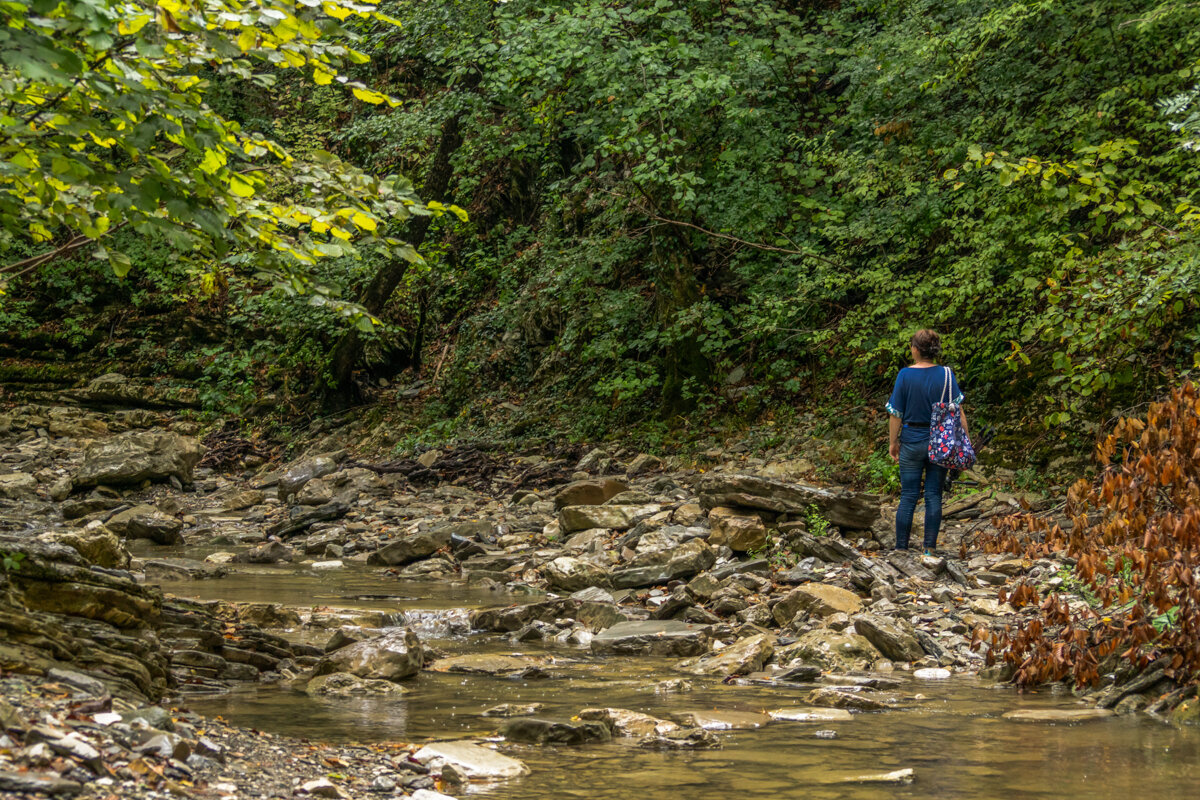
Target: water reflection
<point x="954" y="738"/>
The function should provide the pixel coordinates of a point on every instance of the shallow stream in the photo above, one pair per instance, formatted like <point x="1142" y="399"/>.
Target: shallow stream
<point x="949" y="732"/>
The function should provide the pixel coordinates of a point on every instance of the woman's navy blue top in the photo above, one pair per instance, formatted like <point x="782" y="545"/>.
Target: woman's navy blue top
<point x="916" y="390"/>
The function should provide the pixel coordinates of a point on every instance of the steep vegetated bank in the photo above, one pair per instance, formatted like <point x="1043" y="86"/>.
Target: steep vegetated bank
<point x="685" y="210"/>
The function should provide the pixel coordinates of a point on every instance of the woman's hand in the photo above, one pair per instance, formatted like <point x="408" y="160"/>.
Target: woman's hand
<point x="894" y="449"/>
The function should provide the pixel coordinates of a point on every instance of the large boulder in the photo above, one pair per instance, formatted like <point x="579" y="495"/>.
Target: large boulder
<point x="652" y="637"/>
<point x="845" y="509"/>
<point x="623" y="722"/>
<point x="147" y="522"/>
<point x="591" y="492"/>
<point x="532" y="730"/>
<point x="742" y="533"/>
<point x="819" y="599"/>
<point x="393" y="656"/>
<point x="96" y="543"/>
<point x="890" y="637"/>
<point x="742" y="657"/>
<point x="831" y="650"/>
<point x="137" y="456"/>
<point x="572" y="574"/>
<point x="581" y="518"/>
<point x="654" y="568"/>
<point x="412" y="547"/>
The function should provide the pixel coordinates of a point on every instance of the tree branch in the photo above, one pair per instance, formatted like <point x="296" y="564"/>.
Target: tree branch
<point x="755" y="245"/>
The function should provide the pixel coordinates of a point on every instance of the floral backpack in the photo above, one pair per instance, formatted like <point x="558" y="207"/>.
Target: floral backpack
<point x="949" y="445"/>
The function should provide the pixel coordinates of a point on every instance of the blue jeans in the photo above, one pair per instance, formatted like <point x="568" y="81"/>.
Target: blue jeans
<point x="914" y="462"/>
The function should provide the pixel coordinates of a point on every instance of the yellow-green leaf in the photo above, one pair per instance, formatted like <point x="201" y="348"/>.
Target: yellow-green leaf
<point x="240" y="186"/>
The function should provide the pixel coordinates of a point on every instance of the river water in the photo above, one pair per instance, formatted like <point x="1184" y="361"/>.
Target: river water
<point x="949" y="732"/>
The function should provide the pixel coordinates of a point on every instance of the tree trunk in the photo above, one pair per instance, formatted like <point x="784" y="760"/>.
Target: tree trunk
<point x="375" y="295"/>
<point x="675" y="290"/>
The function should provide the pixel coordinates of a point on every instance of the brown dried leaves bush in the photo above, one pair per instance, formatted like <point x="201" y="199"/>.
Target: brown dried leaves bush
<point x="1135" y="536"/>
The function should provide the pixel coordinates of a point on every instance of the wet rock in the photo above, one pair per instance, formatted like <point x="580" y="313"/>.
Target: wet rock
<point x="531" y="730"/>
<point x="485" y="664"/>
<point x="472" y="760"/>
<point x="268" y="615"/>
<point x="343" y="684"/>
<point x="830" y="697"/>
<point x="412" y="547"/>
<point x="137" y="456"/>
<point x="818" y="599"/>
<point x="392" y="657"/>
<point x="1065" y="715"/>
<point x="571" y="574"/>
<point x="890" y="637"/>
<point x="582" y="518"/>
<point x="511" y="618"/>
<point x="681" y="739"/>
<point x="931" y="674"/>
<point x="266" y="553"/>
<point x="722" y="720"/>
<point x="181" y="569"/>
<point x="811" y="714"/>
<point x="740" y="534"/>
<point x="513" y="710"/>
<point x="147" y="522"/>
<point x="898" y="776"/>
<point x="842" y="508"/>
<point x="588" y="492"/>
<point x="623" y="722"/>
<point x="743" y="656"/>
<point x="651" y="637"/>
<point x="832" y="650"/>
<point x="798" y="673"/>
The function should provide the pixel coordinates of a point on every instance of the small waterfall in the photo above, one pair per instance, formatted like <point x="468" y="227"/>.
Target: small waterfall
<point x="438" y="623"/>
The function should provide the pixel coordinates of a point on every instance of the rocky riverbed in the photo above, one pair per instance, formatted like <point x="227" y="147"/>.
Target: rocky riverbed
<point x="739" y="573"/>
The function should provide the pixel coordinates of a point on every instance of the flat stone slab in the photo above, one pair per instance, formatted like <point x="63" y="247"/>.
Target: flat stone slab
<point x="811" y="714"/>
<point x="1058" y="714"/>
<point x="897" y="776"/>
<point x="472" y="760"/>
<point x="483" y="664"/>
<point x="652" y="637"/>
<point x="722" y="720"/>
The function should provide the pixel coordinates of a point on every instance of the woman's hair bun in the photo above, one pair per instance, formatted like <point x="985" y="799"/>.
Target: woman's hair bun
<point x="928" y="343"/>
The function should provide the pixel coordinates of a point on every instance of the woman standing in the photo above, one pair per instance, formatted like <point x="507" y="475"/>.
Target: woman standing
<point x="917" y="388"/>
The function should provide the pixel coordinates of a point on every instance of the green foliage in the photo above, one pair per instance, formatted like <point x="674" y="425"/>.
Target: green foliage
<point x="664" y="193"/>
<point x="816" y="523"/>
<point x="881" y="473"/>
<point x="106" y="127"/>
<point x="10" y="562"/>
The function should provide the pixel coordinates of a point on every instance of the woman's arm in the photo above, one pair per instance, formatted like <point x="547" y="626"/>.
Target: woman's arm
<point x="963" y="416"/>
<point x="894" y="437"/>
